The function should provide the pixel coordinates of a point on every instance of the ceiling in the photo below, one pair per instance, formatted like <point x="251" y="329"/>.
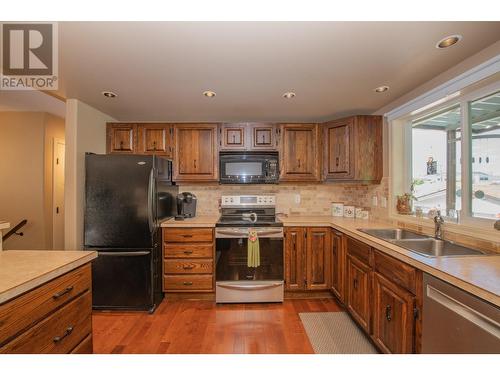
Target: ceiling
<point x="160" y="69"/>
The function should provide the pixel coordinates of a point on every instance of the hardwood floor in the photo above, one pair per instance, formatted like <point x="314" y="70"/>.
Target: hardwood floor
<point x="190" y="327"/>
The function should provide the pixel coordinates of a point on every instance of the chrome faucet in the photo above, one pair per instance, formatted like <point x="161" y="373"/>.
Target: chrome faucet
<point x="438" y="222"/>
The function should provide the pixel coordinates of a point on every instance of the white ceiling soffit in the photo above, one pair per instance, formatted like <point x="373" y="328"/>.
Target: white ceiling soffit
<point x="31" y="101"/>
<point x="160" y="69"/>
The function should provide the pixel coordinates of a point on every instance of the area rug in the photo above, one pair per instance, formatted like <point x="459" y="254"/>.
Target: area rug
<point x="335" y="333"/>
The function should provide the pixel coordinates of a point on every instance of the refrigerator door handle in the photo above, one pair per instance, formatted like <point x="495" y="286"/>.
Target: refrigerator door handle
<point x="123" y="253"/>
<point x="150" y="201"/>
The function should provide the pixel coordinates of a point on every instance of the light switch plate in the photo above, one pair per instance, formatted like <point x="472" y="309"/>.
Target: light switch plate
<point x="297" y="198"/>
<point x="374" y="201"/>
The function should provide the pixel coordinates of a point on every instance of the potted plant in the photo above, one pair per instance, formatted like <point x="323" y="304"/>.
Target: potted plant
<point x="405" y="202"/>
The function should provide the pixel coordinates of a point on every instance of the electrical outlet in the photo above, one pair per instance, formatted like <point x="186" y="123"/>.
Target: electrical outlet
<point x="374" y="201"/>
<point x="297" y="198"/>
<point x="383" y="202"/>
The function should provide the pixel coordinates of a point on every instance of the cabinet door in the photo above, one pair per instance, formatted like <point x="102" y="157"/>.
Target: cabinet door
<point x="339" y="149"/>
<point x="195" y="152"/>
<point x="155" y="139"/>
<point x="294" y="258"/>
<point x="393" y="322"/>
<point x="338" y="265"/>
<point x="263" y="136"/>
<point x="318" y="255"/>
<point x="121" y="138"/>
<point x="233" y="137"/>
<point x="299" y="152"/>
<point x="358" y="291"/>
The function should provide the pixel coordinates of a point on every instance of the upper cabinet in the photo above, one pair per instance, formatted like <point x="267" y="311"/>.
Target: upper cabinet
<point x="300" y="145"/>
<point x="248" y="137"/>
<point x="196" y="157"/>
<point x="353" y="149"/>
<point x="155" y="139"/>
<point x="121" y="138"/>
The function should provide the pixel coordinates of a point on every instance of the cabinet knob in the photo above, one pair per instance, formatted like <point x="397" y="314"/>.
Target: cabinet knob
<point x="299" y="162"/>
<point x="388" y="313"/>
<point x="121" y="145"/>
<point x="337" y="161"/>
<point x="355" y="282"/>
<point x="194" y="163"/>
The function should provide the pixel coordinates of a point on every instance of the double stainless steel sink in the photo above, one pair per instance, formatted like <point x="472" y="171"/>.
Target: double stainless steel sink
<point x="422" y="244"/>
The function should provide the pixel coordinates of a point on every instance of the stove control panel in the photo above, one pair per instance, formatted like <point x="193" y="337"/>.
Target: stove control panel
<point x="248" y="200"/>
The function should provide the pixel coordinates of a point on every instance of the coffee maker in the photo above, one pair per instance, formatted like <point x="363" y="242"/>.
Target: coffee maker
<point x="186" y="205"/>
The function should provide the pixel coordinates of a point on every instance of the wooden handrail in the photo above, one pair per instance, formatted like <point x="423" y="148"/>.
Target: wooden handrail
<point x="14" y="230"/>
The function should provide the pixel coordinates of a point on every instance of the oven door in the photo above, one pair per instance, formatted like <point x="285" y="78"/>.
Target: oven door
<point x="232" y="250"/>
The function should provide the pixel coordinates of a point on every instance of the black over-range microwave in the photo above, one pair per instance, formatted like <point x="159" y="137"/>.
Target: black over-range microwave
<point x="249" y="167"/>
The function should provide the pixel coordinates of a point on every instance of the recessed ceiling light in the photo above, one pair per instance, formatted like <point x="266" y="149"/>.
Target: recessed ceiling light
<point x="209" y="94"/>
<point x="109" y="94"/>
<point x="289" y="95"/>
<point x="448" y="41"/>
<point x="381" y="89"/>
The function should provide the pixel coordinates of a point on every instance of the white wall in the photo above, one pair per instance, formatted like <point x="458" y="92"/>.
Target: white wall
<point x="85" y="132"/>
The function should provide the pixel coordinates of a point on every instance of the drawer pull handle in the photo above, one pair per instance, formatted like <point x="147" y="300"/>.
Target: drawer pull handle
<point x="188" y="252"/>
<point x="66" y="334"/>
<point x="187" y="283"/>
<point x="187" y="235"/>
<point x="62" y="292"/>
<point x="188" y="267"/>
<point x="388" y="313"/>
<point x="355" y="283"/>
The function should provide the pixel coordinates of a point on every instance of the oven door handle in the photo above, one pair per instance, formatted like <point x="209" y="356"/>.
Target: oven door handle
<point x="249" y="287"/>
<point x="244" y="233"/>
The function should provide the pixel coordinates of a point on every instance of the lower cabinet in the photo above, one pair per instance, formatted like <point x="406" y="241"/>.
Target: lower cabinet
<point x="393" y="318"/>
<point x="54" y="318"/>
<point x="338" y="264"/>
<point x="188" y="259"/>
<point x="307" y="258"/>
<point x="358" y="291"/>
<point x="383" y="295"/>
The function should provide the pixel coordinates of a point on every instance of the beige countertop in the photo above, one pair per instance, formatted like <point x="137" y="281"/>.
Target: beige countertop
<point x="479" y="275"/>
<point x="23" y="270"/>
<point x="4" y="225"/>
<point x="196" y="222"/>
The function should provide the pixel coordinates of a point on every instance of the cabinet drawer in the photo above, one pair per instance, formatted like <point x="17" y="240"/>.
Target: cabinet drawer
<point x="396" y="271"/>
<point x="24" y="311"/>
<point x="358" y="250"/>
<point x="183" y="266"/>
<point x="188" y="250"/>
<point x="59" y="333"/>
<point x="187" y="282"/>
<point x="188" y="235"/>
<point x="85" y="347"/>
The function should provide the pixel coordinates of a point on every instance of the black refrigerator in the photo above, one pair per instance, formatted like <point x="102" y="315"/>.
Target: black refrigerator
<point x="126" y="197"/>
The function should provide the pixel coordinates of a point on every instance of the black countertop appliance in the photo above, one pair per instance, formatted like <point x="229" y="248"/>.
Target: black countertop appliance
<point x="186" y="205"/>
<point x="126" y="197"/>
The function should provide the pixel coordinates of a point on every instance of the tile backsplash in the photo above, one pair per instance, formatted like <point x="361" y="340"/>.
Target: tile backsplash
<point x="295" y="199"/>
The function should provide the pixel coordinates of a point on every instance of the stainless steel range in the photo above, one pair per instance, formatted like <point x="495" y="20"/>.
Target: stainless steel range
<point x="236" y="282"/>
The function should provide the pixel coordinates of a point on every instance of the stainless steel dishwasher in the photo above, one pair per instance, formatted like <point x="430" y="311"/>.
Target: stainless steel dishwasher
<point x="455" y="321"/>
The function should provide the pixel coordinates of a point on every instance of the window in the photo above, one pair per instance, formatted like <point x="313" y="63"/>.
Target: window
<point x="447" y="156"/>
<point x="435" y="162"/>
<point x="484" y="118"/>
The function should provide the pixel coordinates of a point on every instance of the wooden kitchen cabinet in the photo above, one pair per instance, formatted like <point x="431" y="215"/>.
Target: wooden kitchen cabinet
<point x="338" y="265"/>
<point x="155" y="139"/>
<point x="188" y="260"/>
<point x="393" y="320"/>
<point x="121" y="138"/>
<point x="358" y="291"/>
<point x="295" y="239"/>
<point x="196" y="157"/>
<point x="352" y="149"/>
<point x="55" y="317"/>
<point x="318" y="255"/>
<point x="300" y="144"/>
<point x="248" y="137"/>
<point x="307" y="258"/>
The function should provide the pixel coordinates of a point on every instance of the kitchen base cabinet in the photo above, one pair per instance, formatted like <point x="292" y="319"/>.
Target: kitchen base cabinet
<point x="188" y="260"/>
<point x="55" y="317"/>
<point x="392" y="316"/>
<point x="338" y="265"/>
<point x="307" y="258"/>
<point x="358" y="292"/>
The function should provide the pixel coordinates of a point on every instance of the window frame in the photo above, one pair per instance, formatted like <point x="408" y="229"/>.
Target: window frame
<point x="400" y="130"/>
